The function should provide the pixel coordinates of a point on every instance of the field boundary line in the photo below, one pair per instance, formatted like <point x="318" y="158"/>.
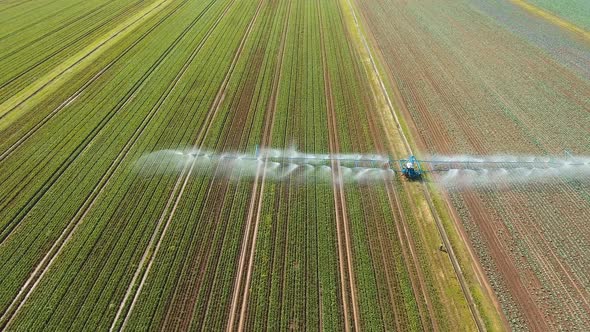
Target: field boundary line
<point x="478" y="269"/>
<point x="200" y="137"/>
<point x="60" y="74"/>
<point x="407" y="246"/>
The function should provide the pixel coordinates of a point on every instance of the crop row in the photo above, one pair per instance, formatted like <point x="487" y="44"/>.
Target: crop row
<point x="295" y="268"/>
<point x="369" y="131"/>
<point x="548" y="252"/>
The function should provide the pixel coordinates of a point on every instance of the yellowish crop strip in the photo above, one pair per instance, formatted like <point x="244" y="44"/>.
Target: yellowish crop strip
<point x="34" y="93"/>
<point x="553" y="18"/>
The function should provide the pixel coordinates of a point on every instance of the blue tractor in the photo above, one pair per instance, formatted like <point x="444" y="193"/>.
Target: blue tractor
<point x="411" y="168"/>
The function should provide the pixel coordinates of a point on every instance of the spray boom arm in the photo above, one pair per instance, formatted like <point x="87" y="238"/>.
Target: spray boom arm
<point x="411" y="167"/>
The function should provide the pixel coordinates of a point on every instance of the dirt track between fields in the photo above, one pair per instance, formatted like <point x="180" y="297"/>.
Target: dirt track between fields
<point x="342" y="223"/>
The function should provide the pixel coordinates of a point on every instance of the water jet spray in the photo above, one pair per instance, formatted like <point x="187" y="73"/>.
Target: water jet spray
<point x="456" y="170"/>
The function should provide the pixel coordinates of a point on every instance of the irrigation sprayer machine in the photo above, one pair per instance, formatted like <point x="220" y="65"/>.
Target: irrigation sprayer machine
<point x="411" y="167"/>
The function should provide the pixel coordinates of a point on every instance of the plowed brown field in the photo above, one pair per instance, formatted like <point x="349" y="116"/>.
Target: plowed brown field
<point x="468" y="80"/>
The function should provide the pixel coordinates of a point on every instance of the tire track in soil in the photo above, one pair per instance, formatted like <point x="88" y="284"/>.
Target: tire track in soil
<point x="480" y="217"/>
<point x="469" y="199"/>
<point x="220" y="186"/>
<point x="379" y="250"/>
<point x="371" y="212"/>
<point x="473" y="256"/>
<point x="531" y="311"/>
<point x="419" y="287"/>
<point x="136" y="133"/>
<point x="200" y="137"/>
<point x="140" y="190"/>
<point x="104" y="249"/>
<point x="255" y="206"/>
<point x="68" y="232"/>
<point x="283" y="196"/>
<point x="512" y="282"/>
<point x="204" y="40"/>
<point x="344" y="247"/>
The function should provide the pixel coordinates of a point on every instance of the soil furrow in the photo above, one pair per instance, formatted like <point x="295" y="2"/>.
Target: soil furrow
<point x="342" y="223"/>
<point x="255" y="205"/>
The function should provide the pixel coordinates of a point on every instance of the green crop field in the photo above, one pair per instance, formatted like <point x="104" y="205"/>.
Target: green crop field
<point x="150" y="180"/>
